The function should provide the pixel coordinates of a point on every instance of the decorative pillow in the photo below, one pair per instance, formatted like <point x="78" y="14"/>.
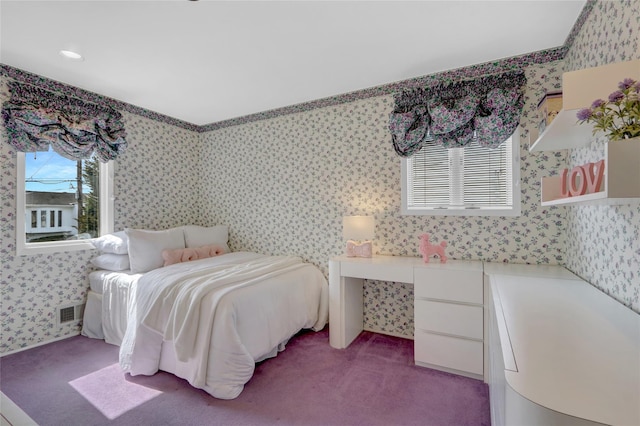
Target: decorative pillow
<point x="198" y="236"/>
<point x="188" y="254"/>
<point x="145" y="247"/>
<point x="116" y="243"/>
<point x="112" y="262"/>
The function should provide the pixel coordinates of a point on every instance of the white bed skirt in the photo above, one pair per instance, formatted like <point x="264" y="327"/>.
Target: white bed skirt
<point x="92" y="320"/>
<point x="107" y="319"/>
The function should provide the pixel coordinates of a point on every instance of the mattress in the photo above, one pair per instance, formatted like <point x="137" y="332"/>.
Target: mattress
<point x="96" y="278"/>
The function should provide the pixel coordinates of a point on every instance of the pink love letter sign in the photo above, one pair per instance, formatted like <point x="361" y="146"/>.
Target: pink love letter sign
<point x="585" y="179"/>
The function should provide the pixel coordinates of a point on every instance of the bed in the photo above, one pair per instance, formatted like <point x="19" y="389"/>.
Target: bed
<point x="208" y="320"/>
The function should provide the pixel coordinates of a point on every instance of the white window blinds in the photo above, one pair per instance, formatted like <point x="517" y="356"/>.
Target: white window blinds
<point x="461" y="179"/>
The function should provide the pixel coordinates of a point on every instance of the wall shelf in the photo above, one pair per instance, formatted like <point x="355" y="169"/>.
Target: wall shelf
<point x="563" y="132"/>
<point x="621" y="181"/>
<point x="579" y="89"/>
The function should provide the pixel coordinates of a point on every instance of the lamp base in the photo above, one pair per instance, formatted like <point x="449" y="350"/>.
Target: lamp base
<point x="364" y="249"/>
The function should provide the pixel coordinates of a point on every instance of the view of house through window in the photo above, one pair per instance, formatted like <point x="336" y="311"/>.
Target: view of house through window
<point x="62" y="197"/>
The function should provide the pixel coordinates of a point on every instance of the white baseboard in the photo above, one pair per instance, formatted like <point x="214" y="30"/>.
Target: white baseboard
<point x="389" y="333"/>
<point x="26" y="348"/>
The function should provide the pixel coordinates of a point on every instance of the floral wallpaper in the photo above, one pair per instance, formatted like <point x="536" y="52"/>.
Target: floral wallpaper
<point x="156" y="180"/>
<point x="154" y="189"/>
<point x="282" y="181"/>
<point x="603" y="246"/>
<point x="283" y="185"/>
<point x="32" y="287"/>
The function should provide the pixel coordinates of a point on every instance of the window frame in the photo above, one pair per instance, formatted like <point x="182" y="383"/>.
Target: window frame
<point x="513" y="211"/>
<point x="106" y="213"/>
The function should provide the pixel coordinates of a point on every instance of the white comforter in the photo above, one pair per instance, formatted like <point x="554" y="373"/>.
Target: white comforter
<point x="220" y="316"/>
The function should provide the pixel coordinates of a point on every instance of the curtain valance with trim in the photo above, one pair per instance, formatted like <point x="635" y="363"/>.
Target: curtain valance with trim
<point x="486" y="109"/>
<point x="36" y="118"/>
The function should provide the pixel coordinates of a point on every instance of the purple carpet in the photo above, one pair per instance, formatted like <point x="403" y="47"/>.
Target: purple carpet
<point x="77" y="381"/>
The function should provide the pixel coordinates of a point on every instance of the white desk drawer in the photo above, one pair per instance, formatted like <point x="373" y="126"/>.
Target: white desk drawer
<point x="449" y="352"/>
<point x="449" y="318"/>
<point x="454" y="285"/>
<point x="373" y="271"/>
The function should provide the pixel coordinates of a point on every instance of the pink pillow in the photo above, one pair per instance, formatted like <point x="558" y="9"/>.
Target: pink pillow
<point x="188" y="254"/>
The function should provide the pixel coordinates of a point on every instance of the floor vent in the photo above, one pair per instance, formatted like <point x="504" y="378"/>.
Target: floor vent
<point x="70" y="313"/>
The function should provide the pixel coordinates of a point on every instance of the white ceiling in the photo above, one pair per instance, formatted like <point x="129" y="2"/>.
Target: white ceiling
<point x="208" y="61"/>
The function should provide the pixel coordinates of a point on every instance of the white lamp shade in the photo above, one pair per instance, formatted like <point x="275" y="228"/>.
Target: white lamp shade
<point x="358" y="228"/>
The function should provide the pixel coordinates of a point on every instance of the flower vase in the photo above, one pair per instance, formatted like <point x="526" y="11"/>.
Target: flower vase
<point x="622" y="168"/>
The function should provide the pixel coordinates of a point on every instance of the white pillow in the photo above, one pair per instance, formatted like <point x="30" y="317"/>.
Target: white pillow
<point x="116" y="243"/>
<point x="112" y="262"/>
<point x="145" y="247"/>
<point x="198" y="236"/>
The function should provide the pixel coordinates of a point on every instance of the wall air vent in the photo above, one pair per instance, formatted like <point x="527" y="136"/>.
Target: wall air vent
<point x="70" y="313"/>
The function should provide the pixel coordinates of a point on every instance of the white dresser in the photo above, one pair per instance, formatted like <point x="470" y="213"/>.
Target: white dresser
<point x="449" y="317"/>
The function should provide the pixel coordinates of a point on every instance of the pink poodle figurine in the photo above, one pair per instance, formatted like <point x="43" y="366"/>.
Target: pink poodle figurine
<point x="427" y="249"/>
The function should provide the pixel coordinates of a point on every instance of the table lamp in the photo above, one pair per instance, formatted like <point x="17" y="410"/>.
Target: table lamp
<point x="358" y="231"/>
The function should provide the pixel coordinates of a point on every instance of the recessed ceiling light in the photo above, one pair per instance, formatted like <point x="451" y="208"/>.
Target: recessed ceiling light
<point x="71" y="55"/>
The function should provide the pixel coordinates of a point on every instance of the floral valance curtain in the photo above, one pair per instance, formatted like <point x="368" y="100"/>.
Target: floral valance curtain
<point x="36" y="118"/>
<point x="486" y="109"/>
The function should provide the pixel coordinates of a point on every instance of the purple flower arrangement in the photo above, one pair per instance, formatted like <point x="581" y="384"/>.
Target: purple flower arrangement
<point x="619" y="116"/>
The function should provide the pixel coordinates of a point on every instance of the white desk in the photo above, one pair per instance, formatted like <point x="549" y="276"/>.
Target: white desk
<point x="346" y="275"/>
<point x="561" y="353"/>
<point x="448" y="307"/>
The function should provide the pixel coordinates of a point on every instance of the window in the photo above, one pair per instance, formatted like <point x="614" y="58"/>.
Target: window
<point x="469" y="181"/>
<point x="79" y="191"/>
